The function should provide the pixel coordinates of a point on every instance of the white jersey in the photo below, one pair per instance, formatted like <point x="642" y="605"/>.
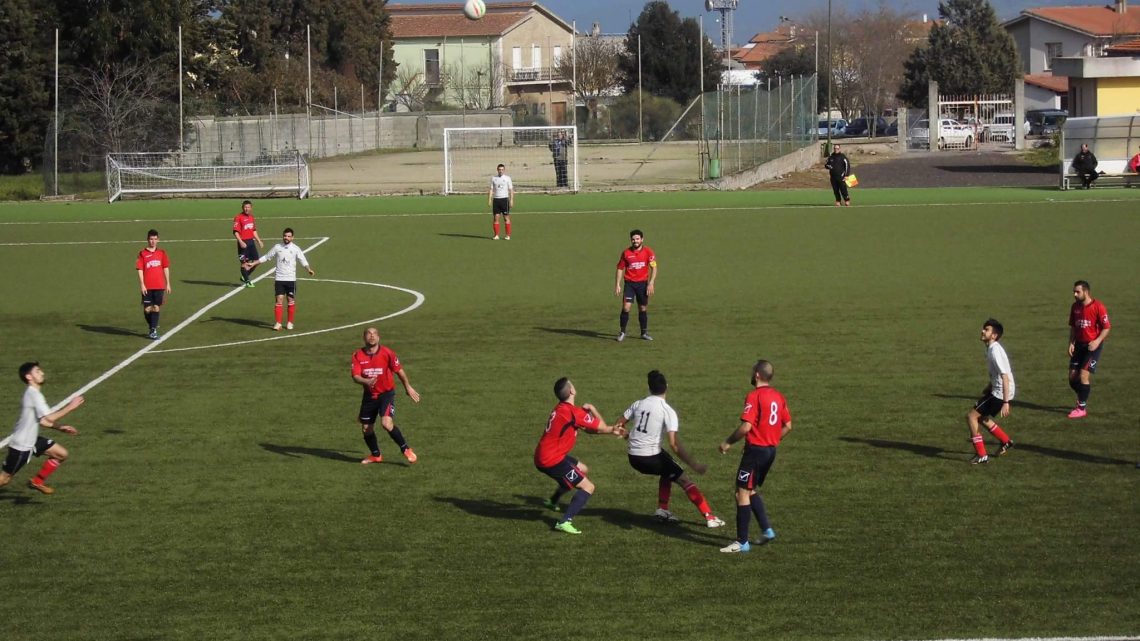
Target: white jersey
<point x="287" y="258"/>
<point x="646" y="420"/>
<point x="998" y="363"/>
<point x="501" y="186"/>
<point x="33" y="407"/>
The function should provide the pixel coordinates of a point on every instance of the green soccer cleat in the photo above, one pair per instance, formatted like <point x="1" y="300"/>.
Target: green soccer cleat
<point x="551" y="505"/>
<point x="567" y="527"/>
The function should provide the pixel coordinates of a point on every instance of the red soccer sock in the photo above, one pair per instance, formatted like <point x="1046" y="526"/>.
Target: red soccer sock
<point x="495" y="226"/>
<point x="508" y="229"/>
<point x="997" y="431"/>
<point x="277" y="313"/>
<point x="292" y="310"/>
<point x="697" y="498"/>
<point x="979" y="446"/>
<point x="50" y="466"/>
<point x="664" y="491"/>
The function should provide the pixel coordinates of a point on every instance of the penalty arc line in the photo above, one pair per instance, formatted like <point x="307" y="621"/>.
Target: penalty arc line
<point x="149" y="348"/>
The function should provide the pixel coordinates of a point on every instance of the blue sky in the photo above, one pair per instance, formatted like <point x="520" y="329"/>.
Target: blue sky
<point x="754" y="16"/>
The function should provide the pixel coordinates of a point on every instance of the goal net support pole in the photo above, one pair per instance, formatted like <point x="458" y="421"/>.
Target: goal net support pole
<point x="190" y="172"/>
<point x="537" y="158"/>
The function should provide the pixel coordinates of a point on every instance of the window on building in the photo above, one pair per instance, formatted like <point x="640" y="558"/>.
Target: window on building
<point x="1052" y="50"/>
<point x="431" y="66"/>
<point x="516" y="58"/>
<point x="536" y="56"/>
<point x="557" y="56"/>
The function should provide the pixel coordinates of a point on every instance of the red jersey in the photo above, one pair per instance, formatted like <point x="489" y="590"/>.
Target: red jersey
<point x="636" y="263"/>
<point x="1088" y="320"/>
<point x="152" y="264"/>
<point x="767" y="411"/>
<point x="382" y="365"/>
<point x="561" y="433"/>
<point x="244" y="226"/>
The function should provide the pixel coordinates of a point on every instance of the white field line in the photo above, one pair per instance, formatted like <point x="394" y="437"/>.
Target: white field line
<point x="152" y="345"/>
<point x="1035" y="203"/>
<point x="419" y="301"/>
<point x="131" y="242"/>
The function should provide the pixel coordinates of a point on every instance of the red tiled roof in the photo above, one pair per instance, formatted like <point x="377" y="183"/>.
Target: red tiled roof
<point x="432" y="20"/>
<point x="765" y="45"/>
<point x="1057" y="84"/>
<point x="1129" y="48"/>
<point x="1096" y="21"/>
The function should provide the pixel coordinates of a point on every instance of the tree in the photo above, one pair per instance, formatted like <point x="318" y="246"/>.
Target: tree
<point x="968" y="52"/>
<point x="122" y="107"/>
<point x="25" y="73"/>
<point x="670" y="55"/>
<point x="593" y="66"/>
<point x="880" y="42"/>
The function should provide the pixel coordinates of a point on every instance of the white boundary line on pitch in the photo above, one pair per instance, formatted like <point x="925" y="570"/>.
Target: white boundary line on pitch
<point x="651" y="210"/>
<point x="177" y="328"/>
<point x="132" y="242"/>
<point x="413" y="306"/>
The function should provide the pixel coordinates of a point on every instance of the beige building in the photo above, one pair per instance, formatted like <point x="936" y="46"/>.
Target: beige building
<point x="508" y="58"/>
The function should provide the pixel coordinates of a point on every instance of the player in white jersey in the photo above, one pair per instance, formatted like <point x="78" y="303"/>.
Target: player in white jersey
<point x="501" y="199"/>
<point x="995" y="398"/>
<point x="648" y="420"/>
<point x="285" y="277"/>
<point x="26" y="442"/>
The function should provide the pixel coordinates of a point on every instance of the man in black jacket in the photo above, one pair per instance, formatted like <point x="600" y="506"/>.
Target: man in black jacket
<point x="839" y="168"/>
<point x="1084" y="163"/>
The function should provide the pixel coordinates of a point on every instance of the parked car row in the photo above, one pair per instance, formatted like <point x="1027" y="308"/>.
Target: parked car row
<point x="857" y="128"/>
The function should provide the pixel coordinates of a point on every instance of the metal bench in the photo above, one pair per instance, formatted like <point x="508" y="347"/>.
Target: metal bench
<point x="1112" y="172"/>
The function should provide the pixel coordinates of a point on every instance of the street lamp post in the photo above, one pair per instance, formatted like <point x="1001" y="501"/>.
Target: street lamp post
<point x="829" y="76"/>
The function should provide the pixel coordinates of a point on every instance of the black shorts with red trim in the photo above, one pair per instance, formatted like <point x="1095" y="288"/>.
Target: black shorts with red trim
<point x="382" y="405"/>
<point x="989" y="405"/>
<point x="566" y="472"/>
<point x="1085" y="359"/>
<point x="660" y="464"/>
<point x="754" y="466"/>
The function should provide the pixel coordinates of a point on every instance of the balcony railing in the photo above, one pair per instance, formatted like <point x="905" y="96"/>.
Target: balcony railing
<point x="535" y="74"/>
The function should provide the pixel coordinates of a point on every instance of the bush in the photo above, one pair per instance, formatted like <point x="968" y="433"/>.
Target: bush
<point x="657" y="114"/>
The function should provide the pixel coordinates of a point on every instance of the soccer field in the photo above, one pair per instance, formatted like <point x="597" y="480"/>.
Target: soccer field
<point x="215" y="492"/>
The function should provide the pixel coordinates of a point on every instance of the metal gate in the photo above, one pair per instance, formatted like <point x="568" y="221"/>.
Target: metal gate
<point x="989" y="121"/>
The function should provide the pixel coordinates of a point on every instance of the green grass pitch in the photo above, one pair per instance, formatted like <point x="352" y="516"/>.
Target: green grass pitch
<point x="216" y="493"/>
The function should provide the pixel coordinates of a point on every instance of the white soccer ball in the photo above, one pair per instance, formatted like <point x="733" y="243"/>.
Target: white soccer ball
<point x="474" y="9"/>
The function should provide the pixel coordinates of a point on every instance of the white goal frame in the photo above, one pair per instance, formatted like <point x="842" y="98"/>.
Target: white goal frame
<point x="534" y="173"/>
<point x="202" y="172"/>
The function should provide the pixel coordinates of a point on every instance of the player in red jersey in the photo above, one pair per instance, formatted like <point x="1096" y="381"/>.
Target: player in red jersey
<point x="153" y="266"/>
<point x="763" y="423"/>
<point x="1088" y="328"/>
<point x="245" y="231"/>
<point x="637" y="266"/>
<point x="552" y="456"/>
<point x="372" y="367"/>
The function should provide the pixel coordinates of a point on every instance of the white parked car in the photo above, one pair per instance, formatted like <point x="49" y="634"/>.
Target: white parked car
<point x="1001" y="128"/>
<point x="950" y="133"/>
<point x="837" y="126"/>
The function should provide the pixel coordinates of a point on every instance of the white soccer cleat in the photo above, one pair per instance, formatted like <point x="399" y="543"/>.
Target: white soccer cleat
<point x="289" y="326"/>
<point x="666" y="516"/>
<point x="714" y="521"/>
<point x="276" y="327"/>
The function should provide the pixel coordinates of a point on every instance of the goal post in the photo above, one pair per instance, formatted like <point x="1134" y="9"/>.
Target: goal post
<point x="200" y="172"/>
<point x="536" y="158"/>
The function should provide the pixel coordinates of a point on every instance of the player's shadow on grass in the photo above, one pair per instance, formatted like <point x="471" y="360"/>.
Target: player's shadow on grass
<point x="495" y="509"/>
<point x="1015" y="403"/>
<point x="930" y="451"/>
<point x="107" y="329"/>
<point x="6" y="494"/>
<point x="627" y="520"/>
<point x="1068" y="455"/>
<point x="212" y="283"/>
<point x="248" y="322"/>
<point x="570" y="331"/>
<point x="296" y="451"/>
<point x="475" y="236"/>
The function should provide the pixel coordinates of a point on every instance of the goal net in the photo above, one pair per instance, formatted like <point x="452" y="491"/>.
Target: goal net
<point x="196" y="172"/>
<point x="536" y="158"/>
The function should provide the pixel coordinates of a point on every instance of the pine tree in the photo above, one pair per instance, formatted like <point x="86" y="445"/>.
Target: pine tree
<point x="25" y="83"/>
<point x="968" y="52"/>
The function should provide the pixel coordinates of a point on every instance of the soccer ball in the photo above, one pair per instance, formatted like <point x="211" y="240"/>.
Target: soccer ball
<point x="474" y="9"/>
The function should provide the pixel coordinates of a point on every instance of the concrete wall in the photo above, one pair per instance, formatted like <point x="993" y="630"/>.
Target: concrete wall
<point x="244" y="139"/>
<point x="1117" y="96"/>
<point x="799" y="160"/>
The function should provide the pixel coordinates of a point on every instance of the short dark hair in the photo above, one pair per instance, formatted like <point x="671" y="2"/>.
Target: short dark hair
<point x="562" y="388"/>
<point x="153" y="232"/>
<point x="657" y="383"/>
<point x="764" y="370"/>
<point x="288" y="230"/>
<point x="993" y="324"/>
<point x="636" y="232"/>
<point x="26" y="369"/>
<point x="1083" y="284"/>
<point x="500" y="165"/>
<point x="245" y="202"/>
